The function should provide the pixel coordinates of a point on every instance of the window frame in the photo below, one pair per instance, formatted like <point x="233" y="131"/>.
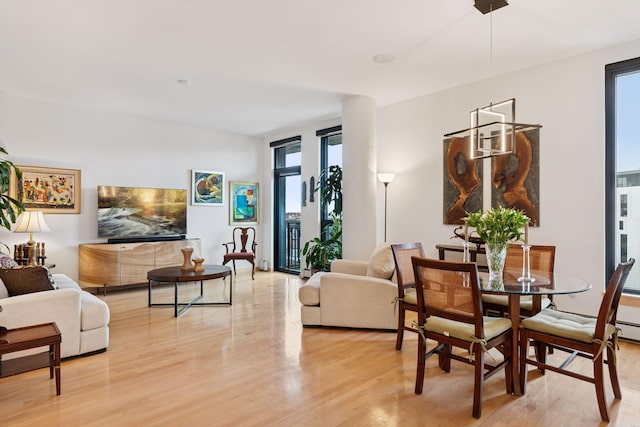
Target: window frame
<point x="612" y="71"/>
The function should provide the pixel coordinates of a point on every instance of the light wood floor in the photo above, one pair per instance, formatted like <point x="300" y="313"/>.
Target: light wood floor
<point x="253" y="364"/>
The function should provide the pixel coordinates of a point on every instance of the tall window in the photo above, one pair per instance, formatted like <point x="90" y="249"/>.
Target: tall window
<point x="622" y="95"/>
<point x="330" y="155"/>
<point x="287" y="204"/>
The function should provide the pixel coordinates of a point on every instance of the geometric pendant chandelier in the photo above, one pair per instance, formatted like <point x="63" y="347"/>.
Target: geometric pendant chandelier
<point x="492" y="129"/>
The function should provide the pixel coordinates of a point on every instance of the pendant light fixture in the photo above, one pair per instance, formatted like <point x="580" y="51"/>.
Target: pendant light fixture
<point x="492" y="129"/>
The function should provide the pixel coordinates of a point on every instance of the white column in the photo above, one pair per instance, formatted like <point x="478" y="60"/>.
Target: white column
<point x="359" y="177"/>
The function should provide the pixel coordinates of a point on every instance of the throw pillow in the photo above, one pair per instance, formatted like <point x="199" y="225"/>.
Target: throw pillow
<point x="7" y="262"/>
<point x="381" y="263"/>
<point x="25" y="280"/>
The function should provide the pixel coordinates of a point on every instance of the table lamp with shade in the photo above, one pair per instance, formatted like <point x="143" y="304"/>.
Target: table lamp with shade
<point x="31" y="222"/>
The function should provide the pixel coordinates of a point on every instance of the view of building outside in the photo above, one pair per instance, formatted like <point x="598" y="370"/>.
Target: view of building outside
<point x="628" y="172"/>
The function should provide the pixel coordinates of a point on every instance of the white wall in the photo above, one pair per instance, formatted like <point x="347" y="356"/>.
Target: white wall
<point x="123" y="150"/>
<point x="567" y="98"/>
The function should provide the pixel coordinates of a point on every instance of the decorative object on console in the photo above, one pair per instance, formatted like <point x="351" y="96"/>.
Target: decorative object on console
<point x="207" y="188"/>
<point x="186" y="253"/>
<point x="198" y="264"/>
<point x="51" y="190"/>
<point x="32" y="222"/>
<point x="386" y="178"/>
<point x="243" y="208"/>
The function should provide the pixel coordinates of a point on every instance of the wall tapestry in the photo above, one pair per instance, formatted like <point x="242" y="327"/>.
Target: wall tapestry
<point x="462" y="180"/>
<point x="243" y="208"/>
<point x="207" y="188"/>
<point x="515" y="178"/>
<point x="50" y="190"/>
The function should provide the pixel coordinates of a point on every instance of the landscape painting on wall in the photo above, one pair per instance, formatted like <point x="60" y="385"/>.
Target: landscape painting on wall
<point x="243" y="208"/>
<point x="50" y="190"/>
<point x="462" y="181"/>
<point x="207" y="188"/>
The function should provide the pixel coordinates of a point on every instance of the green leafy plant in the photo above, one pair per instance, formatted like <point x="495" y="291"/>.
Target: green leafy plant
<point x="330" y="187"/>
<point x="10" y="208"/>
<point x="319" y="254"/>
<point x="499" y="225"/>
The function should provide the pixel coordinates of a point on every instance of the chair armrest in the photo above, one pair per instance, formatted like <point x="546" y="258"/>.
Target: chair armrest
<point x="350" y="266"/>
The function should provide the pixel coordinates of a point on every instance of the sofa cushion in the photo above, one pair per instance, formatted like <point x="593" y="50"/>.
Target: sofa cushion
<point x="4" y="293"/>
<point x="381" y="264"/>
<point x="309" y="293"/>
<point x="93" y="311"/>
<point x="25" y="280"/>
<point x="7" y="262"/>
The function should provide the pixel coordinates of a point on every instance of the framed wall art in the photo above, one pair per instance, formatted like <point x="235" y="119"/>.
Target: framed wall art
<point x="207" y="188"/>
<point x="243" y="208"/>
<point x="50" y="190"/>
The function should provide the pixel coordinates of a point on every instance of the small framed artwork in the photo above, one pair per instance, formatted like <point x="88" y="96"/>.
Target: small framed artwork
<point x="50" y="190"/>
<point x="207" y="188"/>
<point x="243" y="208"/>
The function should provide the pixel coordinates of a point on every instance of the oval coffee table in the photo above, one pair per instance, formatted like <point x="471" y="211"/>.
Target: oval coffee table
<point x="177" y="275"/>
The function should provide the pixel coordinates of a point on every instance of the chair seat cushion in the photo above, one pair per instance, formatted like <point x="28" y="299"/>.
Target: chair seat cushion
<point x="561" y="324"/>
<point x="526" y="302"/>
<point x="410" y="297"/>
<point x="493" y="326"/>
<point x="240" y="255"/>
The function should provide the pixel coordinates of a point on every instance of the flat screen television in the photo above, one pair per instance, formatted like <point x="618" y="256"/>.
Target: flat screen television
<point x="137" y="213"/>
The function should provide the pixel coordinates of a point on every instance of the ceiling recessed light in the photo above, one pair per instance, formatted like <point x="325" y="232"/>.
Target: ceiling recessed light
<point x="383" y="58"/>
<point x="182" y="82"/>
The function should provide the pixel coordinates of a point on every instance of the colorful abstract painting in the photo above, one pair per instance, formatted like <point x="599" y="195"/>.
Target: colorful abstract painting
<point x="243" y="208"/>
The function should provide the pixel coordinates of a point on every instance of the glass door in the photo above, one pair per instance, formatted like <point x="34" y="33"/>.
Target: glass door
<point x="288" y="206"/>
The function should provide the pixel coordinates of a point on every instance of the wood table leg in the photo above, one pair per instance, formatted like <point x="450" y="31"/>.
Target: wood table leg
<point x="56" y="352"/>
<point x="514" y="315"/>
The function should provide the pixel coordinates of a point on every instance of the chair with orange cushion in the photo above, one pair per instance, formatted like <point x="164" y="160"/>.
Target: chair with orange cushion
<point x="242" y="247"/>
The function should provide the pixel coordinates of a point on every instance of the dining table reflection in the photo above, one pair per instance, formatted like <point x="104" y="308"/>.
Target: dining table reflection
<point x="543" y="283"/>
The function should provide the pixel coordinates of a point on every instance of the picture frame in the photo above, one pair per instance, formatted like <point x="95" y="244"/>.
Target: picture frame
<point x="244" y="203"/>
<point x="207" y="188"/>
<point x="50" y="190"/>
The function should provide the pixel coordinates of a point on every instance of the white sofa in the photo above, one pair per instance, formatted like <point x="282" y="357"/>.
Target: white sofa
<point x="83" y="318"/>
<point x="355" y="294"/>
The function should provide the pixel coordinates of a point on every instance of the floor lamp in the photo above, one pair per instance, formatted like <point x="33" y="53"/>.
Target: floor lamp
<point x="385" y="178"/>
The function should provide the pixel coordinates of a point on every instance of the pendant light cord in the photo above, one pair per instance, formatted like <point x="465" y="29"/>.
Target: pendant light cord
<point x="491" y="55"/>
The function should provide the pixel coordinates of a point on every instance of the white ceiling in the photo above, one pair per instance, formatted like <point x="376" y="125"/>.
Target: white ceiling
<point x="257" y="66"/>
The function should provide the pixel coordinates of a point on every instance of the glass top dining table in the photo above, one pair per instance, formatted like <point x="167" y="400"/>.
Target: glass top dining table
<point x="544" y="283"/>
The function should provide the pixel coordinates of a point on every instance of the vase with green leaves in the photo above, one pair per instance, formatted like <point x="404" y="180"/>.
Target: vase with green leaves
<point x="497" y="227"/>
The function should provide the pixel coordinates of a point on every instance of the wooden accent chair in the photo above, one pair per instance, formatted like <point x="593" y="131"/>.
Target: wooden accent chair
<point x="582" y="336"/>
<point x="542" y="258"/>
<point x="407" y="299"/>
<point x="242" y="247"/>
<point x="451" y="315"/>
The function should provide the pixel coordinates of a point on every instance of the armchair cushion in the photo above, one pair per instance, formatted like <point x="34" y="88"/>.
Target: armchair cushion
<point x="25" y="280"/>
<point x="381" y="264"/>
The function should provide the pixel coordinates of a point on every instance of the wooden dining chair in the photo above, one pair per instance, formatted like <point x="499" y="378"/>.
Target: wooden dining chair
<point x="242" y="247"/>
<point x="580" y="335"/>
<point x="407" y="299"/>
<point x="450" y="313"/>
<point x="542" y="259"/>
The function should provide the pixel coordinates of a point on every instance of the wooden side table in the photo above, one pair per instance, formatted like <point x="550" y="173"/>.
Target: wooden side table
<point x="27" y="337"/>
